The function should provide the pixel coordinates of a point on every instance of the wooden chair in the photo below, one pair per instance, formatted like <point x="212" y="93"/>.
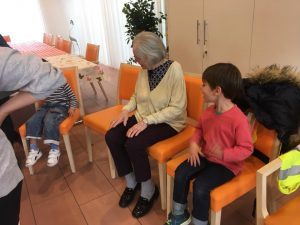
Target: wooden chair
<point x="47" y="39"/>
<point x="92" y="55"/>
<point x="166" y="149"/>
<point x="7" y="38"/>
<point x="67" y="46"/>
<point x="286" y="214"/>
<point x="244" y="182"/>
<point x="71" y="75"/>
<point x="99" y="121"/>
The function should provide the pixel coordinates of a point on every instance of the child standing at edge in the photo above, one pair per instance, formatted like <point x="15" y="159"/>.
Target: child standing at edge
<point x="220" y="144"/>
<point x="47" y="120"/>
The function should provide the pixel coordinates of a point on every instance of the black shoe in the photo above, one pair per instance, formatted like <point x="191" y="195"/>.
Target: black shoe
<point x="128" y="196"/>
<point x="144" y="205"/>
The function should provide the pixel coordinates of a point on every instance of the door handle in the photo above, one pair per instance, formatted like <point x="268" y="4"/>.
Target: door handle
<point x="198" y="25"/>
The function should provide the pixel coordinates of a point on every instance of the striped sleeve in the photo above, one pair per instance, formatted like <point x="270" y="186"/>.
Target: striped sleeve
<point x="70" y="95"/>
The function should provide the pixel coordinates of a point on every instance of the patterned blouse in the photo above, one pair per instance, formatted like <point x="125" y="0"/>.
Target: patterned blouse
<point x="157" y="74"/>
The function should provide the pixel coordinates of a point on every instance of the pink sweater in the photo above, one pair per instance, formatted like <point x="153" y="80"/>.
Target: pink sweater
<point x="231" y="131"/>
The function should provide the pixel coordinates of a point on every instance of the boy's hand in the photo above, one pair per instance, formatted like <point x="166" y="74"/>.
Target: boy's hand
<point x="194" y="152"/>
<point x="71" y="111"/>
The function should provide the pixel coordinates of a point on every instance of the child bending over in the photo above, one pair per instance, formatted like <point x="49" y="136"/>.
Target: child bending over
<point x="46" y="121"/>
<point x="220" y="144"/>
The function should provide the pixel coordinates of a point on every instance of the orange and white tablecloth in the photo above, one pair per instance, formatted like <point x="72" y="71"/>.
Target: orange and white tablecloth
<point x="37" y="48"/>
<point x="85" y="67"/>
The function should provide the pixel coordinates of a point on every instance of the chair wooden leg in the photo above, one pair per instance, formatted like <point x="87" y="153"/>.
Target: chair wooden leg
<point x="102" y="89"/>
<point x="93" y="86"/>
<point x="162" y="169"/>
<point x="25" y="146"/>
<point x="111" y="165"/>
<point x="69" y="152"/>
<point x="215" y="217"/>
<point x="88" y="136"/>
<point x="170" y="186"/>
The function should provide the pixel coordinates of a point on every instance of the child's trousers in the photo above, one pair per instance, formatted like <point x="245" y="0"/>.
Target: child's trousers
<point x="207" y="175"/>
<point x="46" y="122"/>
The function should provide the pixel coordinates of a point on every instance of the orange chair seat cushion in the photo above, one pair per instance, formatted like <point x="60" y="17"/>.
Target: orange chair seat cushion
<point x="231" y="190"/>
<point x="100" y="121"/>
<point x="64" y="127"/>
<point x="164" y="150"/>
<point x="287" y="214"/>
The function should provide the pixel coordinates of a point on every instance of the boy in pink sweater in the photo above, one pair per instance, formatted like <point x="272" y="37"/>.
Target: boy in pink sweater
<point x="221" y="143"/>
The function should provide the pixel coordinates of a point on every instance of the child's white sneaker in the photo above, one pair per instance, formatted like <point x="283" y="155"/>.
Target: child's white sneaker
<point x="53" y="157"/>
<point x="33" y="157"/>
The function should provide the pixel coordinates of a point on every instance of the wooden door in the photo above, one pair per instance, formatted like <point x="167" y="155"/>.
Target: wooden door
<point x="276" y="33"/>
<point x="228" y="32"/>
<point x="184" y="28"/>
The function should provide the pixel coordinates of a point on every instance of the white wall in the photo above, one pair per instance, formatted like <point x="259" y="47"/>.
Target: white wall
<point x="56" y="19"/>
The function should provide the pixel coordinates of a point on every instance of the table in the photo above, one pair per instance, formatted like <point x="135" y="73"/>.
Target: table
<point x="36" y="48"/>
<point x="64" y="61"/>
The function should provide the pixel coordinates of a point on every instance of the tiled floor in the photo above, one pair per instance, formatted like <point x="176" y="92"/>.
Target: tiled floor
<point x="55" y="196"/>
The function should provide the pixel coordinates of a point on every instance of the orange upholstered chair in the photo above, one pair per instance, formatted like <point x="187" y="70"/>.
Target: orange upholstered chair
<point x="67" y="46"/>
<point x="71" y="75"/>
<point x="266" y="143"/>
<point x="59" y="42"/>
<point x="166" y="149"/>
<point x="47" y="39"/>
<point x="92" y="55"/>
<point x="287" y="213"/>
<point x="7" y="38"/>
<point x="99" y="121"/>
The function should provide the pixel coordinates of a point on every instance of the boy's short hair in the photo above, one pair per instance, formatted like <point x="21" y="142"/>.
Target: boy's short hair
<point x="225" y="75"/>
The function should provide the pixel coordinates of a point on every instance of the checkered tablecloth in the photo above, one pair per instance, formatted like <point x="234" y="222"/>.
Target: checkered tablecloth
<point x="36" y="48"/>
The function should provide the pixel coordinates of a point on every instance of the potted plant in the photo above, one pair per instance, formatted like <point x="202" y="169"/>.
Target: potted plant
<point x="140" y="16"/>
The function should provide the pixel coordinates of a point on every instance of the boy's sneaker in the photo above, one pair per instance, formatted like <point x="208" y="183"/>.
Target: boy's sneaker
<point x="53" y="157"/>
<point x="33" y="157"/>
<point x="183" y="219"/>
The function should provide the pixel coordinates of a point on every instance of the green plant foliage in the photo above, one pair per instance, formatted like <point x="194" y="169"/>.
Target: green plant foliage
<point x="140" y="16"/>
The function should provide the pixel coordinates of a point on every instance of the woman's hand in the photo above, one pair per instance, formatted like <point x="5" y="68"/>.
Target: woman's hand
<point x="136" y="129"/>
<point x="194" y="152"/>
<point x="123" y="117"/>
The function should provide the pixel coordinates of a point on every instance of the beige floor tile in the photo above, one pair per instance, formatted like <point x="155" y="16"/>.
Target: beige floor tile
<point x="45" y="184"/>
<point x="105" y="211"/>
<point x="88" y="183"/>
<point x="59" y="210"/>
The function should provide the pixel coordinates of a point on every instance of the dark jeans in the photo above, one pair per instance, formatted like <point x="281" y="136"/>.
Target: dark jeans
<point x="10" y="206"/>
<point x="46" y="121"/>
<point x="130" y="154"/>
<point x="207" y="176"/>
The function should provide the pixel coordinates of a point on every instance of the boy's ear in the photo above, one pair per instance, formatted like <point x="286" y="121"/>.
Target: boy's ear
<point x="218" y="90"/>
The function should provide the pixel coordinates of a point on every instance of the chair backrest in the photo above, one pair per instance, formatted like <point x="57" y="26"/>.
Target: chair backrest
<point x="7" y="38"/>
<point x="59" y="42"/>
<point x="127" y="78"/>
<point x="71" y="75"/>
<point x="67" y="46"/>
<point x="266" y="141"/>
<point x="47" y="39"/>
<point x="194" y="96"/>
<point x="92" y="53"/>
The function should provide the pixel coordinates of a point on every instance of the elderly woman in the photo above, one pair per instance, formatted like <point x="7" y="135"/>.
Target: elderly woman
<point x="159" y="102"/>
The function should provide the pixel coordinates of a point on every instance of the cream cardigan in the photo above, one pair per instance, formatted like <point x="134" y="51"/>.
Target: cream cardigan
<point x="164" y="104"/>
